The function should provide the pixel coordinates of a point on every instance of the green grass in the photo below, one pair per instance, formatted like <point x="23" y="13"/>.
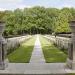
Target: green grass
<point x="23" y="53"/>
<point x="51" y="53"/>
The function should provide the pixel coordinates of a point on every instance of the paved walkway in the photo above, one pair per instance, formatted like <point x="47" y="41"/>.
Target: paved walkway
<point x="37" y="55"/>
<point x="35" y="68"/>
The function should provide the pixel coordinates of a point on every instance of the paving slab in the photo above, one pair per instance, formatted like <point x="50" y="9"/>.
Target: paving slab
<point x="34" y="68"/>
<point x="39" y="69"/>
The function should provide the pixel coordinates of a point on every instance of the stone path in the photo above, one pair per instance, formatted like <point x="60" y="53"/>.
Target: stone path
<point x="35" y="68"/>
<point x="37" y="55"/>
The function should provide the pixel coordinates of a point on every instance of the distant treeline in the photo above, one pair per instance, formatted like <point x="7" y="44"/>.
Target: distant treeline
<point x="37" y="20"/>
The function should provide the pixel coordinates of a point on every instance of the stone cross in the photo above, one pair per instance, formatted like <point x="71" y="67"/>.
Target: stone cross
<point x="71" y="47"/>
<point x="2" y="47"/>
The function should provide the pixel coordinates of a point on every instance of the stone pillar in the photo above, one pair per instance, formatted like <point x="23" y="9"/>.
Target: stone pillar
<point x="2" y="47"/>
<point x="71" y="48"/>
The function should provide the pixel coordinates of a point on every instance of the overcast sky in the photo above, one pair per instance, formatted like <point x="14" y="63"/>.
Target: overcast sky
<point x="13" y="4"/>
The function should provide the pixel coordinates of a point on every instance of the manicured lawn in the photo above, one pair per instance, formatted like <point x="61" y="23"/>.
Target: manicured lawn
<point x="51" y="53"/>
<point x="23" y="53"/>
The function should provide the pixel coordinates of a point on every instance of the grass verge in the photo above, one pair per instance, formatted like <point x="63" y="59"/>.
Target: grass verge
<point x="23" y="53"/>
<point x="51" y="53"/>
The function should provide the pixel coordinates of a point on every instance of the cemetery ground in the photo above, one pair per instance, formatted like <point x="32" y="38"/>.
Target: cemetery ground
<point x="52" y="54"/>
<point x="23" y="53"/>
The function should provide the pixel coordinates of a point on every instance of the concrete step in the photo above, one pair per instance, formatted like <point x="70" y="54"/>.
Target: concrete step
<point x="34" y="69"/>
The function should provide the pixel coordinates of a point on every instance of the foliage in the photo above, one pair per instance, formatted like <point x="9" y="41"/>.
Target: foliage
<point x="37" y="20"/>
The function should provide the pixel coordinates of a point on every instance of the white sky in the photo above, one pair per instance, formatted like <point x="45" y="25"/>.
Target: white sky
<point x="13" y="4"/>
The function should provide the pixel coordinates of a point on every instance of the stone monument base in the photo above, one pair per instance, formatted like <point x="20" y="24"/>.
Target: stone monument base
<point x="4" y="64"/>
<point x="71" y="64"/>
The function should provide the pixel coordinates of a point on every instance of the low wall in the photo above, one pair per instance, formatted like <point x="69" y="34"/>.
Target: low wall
<point x="15" y="42"/>
<point x="61" y="42"/>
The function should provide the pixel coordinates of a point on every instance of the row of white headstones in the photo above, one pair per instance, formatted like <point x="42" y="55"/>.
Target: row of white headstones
<point x="16" y="41"/>
<point x="61" y="42"/>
